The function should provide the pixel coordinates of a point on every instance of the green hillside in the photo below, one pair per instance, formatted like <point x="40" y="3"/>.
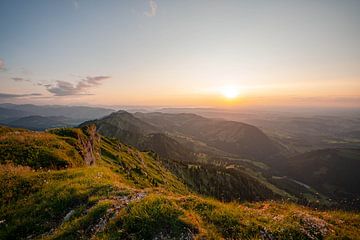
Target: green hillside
<point x="233" y="137"/>
<point x="36" y="149"/>
<point x="333" y="172"/>
<point x="109" y="190"/>
<point x="133" y="131"/>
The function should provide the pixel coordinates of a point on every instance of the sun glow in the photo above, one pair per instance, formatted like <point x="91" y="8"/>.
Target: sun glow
<point x="230" y="92"/>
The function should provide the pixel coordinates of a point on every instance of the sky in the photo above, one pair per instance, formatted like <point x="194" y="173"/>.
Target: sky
<point x="180" y="53"/>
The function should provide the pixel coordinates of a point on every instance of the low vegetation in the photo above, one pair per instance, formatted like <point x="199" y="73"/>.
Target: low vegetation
<point x="128" y="194"/>
<point x="36" y="150"/>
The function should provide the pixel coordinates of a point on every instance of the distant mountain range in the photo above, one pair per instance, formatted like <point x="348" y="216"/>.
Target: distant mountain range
<point x="42" y="117"/>
<point x="41" y="123"/>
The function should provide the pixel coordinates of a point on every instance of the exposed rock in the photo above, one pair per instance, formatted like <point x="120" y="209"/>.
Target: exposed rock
<point x="120" y="203"/>
<point x="90" y="145"/>
<point x="185" y="235"/>
<point x="265" y="235"/>
<point x="69" y="215"/>
<point x="313" y="227"/>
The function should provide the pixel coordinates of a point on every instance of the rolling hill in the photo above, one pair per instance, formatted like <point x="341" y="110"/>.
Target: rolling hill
<point x="233" y="137"/>
<point x="7" y="115"/>
<point x="334" y="172"/>
<point x="191" y="132"/>
<point x="41" y="123"/>
<point x="133" y="131"/>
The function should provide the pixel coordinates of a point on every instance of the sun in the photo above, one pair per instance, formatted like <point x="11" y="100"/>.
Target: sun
<point x="230" y="92"/>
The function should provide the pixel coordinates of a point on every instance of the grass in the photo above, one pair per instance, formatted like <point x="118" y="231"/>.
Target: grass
<point x="36" y="149"/>
<point x="139" y="169"/>
<point x="148" y="218"/>
<point x="128" y="194"/>
<point x="46" y="197"/>
<point x="80" y="226"/>
<point x="171" y="215"/>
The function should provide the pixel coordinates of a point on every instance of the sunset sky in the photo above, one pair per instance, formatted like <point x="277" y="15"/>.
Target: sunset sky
<point x="180" y="53"/>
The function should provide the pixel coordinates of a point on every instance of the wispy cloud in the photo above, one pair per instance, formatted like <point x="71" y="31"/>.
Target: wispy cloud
<point x="152" y="10"/>
<point x="47" y="85"/>
<point x="9" y="95"/>
<point x="64" y="88"/>
<point x="20" y="79"/>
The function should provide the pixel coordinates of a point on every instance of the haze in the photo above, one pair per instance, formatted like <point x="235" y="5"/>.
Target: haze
<point x="181" y="53"/>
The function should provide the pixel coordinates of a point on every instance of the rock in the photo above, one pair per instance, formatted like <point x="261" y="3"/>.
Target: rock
<point x="313" y="227"/>
<point x="90" y="145"/>
<point x="69" y="215"/>
<point x="265" y="235"/>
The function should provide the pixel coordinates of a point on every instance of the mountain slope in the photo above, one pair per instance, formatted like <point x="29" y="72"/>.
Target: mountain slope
<point x="234" y="137"/>
<point x="36" y="150"/>
<point x="7" y="115"/>
<point x="133" y="131"/>
<point x="333" y="172"/>
<point x="127" y="194"/>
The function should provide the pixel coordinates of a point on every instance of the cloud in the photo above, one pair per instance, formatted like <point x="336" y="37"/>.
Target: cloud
<point x="153" y="9"/>
<point x="63" y="88"/>
<point x="43" y="84"/>
<point x="93" y="81"/>
<point x="19" y="79"/>
<point x="9" y="95"/>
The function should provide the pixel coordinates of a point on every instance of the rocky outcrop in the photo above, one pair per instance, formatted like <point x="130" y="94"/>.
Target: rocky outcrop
<point x="90" y="145"/>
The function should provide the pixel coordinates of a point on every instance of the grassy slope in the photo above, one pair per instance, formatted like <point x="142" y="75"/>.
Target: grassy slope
<point x="331" y="170"/>
<point x="36" y="149"/>
<point x="211" y="219"/>
<point x="129" y="195"/>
